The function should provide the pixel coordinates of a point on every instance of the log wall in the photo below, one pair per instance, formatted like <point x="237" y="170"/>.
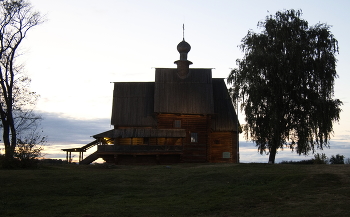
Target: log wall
<point x="222" y="143"/>
<point x="148" y="141"/>
<point x="193" y="151"/>
<point x="210" y="146"/>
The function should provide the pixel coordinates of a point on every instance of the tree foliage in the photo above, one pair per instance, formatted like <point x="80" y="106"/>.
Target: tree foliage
<point x="285" y="84"/>
<point x="337" y="159"/>
<point x="29" y="148"/>
<point x="16" y="19"/>
<point x="320" y="158"/>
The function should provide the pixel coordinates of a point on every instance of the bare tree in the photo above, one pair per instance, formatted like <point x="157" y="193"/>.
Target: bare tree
<point x="16" y="19"/>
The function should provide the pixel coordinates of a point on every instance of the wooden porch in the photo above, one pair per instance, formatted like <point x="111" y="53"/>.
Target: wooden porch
<point x="139" y="148"/>
<point x="140" y="154"/>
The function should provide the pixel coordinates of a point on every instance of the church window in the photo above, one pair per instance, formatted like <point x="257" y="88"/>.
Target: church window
<point x="177" y="124"/>
<point x="194" y="137"/>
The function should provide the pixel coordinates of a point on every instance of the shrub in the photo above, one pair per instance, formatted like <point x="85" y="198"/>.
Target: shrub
<point x="320" y="158"/>
<point x="27" y="152"/>
<point x="49" y="161"/>
<point x="11" y="163"/>
<point x="338" y="159"/>
<point x="298" y="162"/>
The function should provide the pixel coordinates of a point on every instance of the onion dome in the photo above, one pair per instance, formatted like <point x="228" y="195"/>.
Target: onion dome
<point x="183" y="64"/>
<point x="183" y="47"/>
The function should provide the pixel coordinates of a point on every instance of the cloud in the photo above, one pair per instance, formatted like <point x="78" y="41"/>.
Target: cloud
<point x="343" y="137"/>
<point x="67" y="132"/>
<point x="245" y="144"/>
<point x="63" y="130"/>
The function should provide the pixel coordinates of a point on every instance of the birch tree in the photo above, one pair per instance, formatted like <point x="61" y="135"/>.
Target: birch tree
<point x="285" y="82"/>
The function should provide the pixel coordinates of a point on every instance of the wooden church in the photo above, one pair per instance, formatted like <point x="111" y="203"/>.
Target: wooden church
<point x="184" y="116"/>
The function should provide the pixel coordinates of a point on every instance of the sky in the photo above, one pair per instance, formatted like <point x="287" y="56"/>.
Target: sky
<point x="84" y="45"/>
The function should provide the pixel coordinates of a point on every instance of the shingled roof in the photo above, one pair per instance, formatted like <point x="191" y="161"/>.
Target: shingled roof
<point x="190" y="95"/>
<point x="225" y="118"/>
<point x="135" y="104"/>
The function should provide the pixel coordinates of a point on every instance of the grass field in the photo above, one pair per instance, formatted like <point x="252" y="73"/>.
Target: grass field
<point x="177" y="190"/>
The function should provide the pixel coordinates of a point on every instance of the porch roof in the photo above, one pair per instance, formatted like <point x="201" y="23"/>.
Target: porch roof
<point x="141" y="133"/>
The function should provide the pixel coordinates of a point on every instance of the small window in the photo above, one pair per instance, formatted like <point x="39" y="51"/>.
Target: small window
<point x="177" y="124"/>
<point x="226" y="155"/>
<point x="194" y="137"/>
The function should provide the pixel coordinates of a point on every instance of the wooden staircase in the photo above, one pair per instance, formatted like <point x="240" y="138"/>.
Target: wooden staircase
<point x="89" y="159"/>
<point x="90" y="145"/>
<point x="92" y="157"/>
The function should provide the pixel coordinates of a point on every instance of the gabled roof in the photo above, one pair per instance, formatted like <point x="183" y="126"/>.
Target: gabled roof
<point x="225" y="118"/>
<point x="133" y="104"/>
<point x="192" y="94"/>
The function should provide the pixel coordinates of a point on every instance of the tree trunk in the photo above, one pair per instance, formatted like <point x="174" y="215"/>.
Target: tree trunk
<point x="272" y="155"/>
<point x="9" y="153"/>
<point x="6" y="139"/>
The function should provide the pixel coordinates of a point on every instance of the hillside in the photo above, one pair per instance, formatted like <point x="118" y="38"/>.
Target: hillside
<point x="177" y="190"/>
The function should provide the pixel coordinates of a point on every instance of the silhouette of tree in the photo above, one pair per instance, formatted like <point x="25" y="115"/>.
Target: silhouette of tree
<point x="16" y="19"/>
<point x="338" y="159"/>
<point x="285" y="84"/>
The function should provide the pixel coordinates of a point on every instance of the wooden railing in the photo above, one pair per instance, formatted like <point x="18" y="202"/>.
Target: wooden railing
<point x="139" y="148"/>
